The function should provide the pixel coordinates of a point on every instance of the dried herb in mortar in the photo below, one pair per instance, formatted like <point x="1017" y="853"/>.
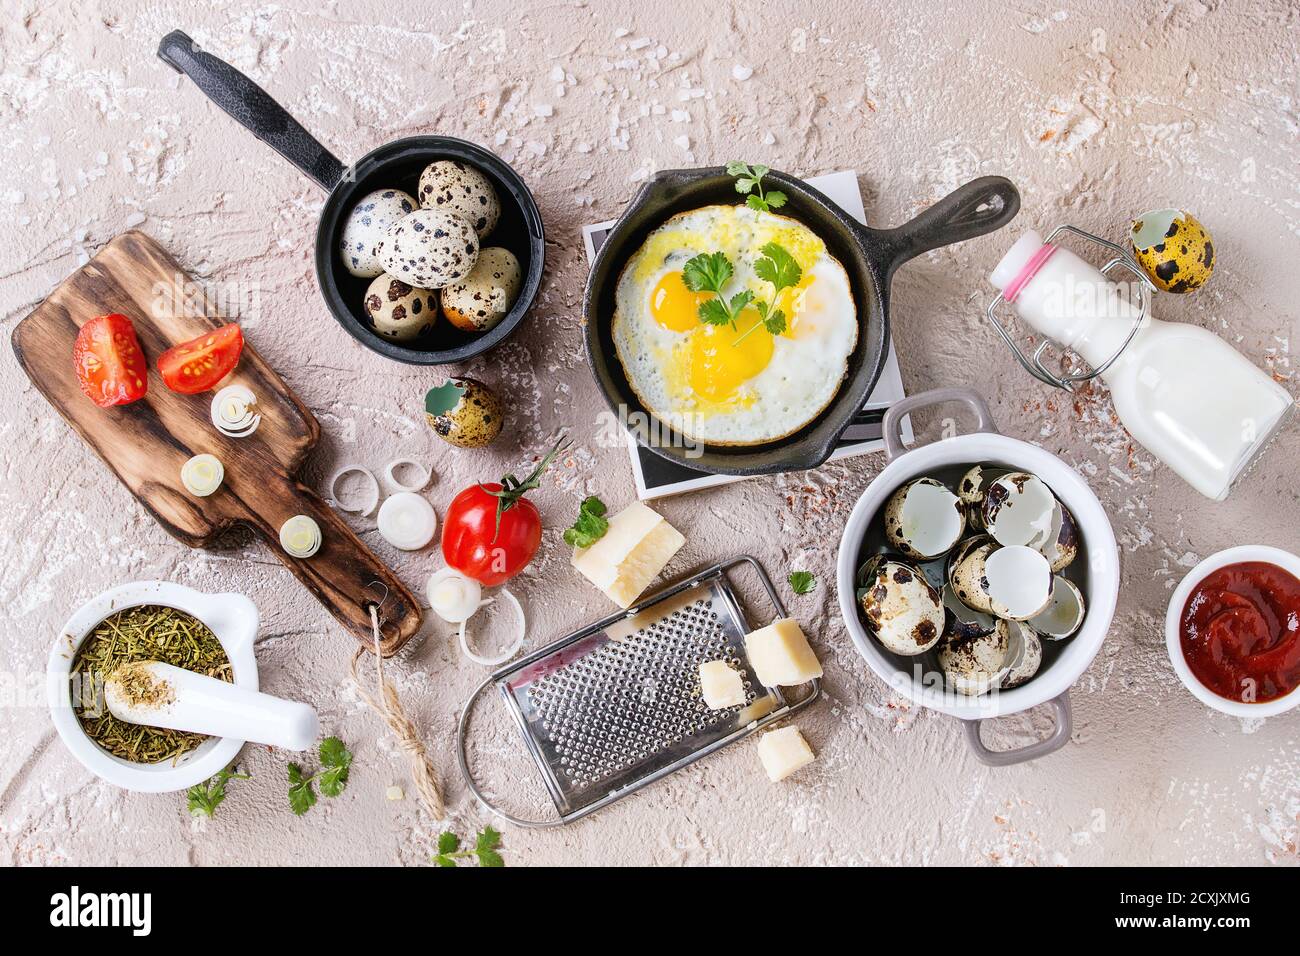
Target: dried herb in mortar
<point x="148" y="633"/>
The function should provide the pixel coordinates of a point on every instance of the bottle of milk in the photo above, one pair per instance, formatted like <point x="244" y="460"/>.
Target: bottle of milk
<point x="1190" y="398"/>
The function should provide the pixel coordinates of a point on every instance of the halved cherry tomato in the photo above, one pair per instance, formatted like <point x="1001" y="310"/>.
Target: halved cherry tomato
<point x="199" y="364"/>
<point x="109" y="361"/>
<point x="491" y="531"/>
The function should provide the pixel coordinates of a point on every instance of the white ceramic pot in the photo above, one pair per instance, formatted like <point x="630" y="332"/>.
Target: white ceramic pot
<point x="233" y="618"/>
<point x="1098" y="552"/>
<point x="1245" y="552"/>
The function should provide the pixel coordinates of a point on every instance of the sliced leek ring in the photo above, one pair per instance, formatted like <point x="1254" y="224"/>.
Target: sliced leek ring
<point x="300" y="536"/>
<point x="202" y="475"/>
<point x="233" y="411"/>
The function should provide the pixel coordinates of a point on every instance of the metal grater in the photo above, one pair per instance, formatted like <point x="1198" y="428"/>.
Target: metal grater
<point x="616" y="705"/>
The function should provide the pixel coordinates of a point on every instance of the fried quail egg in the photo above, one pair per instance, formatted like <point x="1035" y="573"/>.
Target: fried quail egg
<point x="399" y="311"/>
<point x="453" y="186"/>
<point x="726" y="384"/>
<point x="1173" y="249"/>
<point x="373" y="215"/>
<point x="429" y="249"/>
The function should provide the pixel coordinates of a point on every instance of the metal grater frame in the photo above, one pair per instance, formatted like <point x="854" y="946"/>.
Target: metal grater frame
<point x="615" y="705"/>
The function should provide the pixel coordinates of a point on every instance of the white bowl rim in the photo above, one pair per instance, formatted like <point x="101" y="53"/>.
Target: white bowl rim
<point x="1235" y="555"/>
<point x="233" y="618"/>
<point x="1101" y="551"/>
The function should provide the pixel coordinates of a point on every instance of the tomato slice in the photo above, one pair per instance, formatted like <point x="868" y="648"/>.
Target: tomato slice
<point x="109" y="362"/>
<point x="199" y="364"/>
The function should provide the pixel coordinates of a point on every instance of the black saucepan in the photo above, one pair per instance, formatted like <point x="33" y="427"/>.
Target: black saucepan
<point x="870" y="257"/>
<point x="396" y="165"/>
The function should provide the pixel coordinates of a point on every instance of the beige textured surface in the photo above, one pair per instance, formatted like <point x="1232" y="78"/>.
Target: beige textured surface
<point x="1097" y="110"/>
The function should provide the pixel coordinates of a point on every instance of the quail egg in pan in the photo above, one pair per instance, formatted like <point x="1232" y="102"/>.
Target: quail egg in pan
<point x="1173" y="249"/>
<point x="902" y="607"/>
<point x="923" y="519"/>
<point x="373" y="215"/>
<point x="457" y="187"/>
<point x="399" y="311"/>
<point x="429" y="249"/>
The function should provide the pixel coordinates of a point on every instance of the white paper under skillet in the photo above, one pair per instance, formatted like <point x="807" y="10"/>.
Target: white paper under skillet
<point x="659" y="478"/>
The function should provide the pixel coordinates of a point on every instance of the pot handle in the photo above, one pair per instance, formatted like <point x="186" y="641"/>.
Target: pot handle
<point x="252" y="107"/>
<point x="981" y="206"/>
<point x="1006" y="758"/>
<point x="903" y="407"/>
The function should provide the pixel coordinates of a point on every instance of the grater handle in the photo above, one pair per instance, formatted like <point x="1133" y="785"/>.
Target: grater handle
<point x="1006" y="758"/>
<point x="462" y="758"/>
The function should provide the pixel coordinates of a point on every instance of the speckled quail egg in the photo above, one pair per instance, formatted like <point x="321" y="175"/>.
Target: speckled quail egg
<point x="429" y="249"/>
<point x="966" y="572"/>
<point x="373" y="215"/>
<point x="974" y="661"/>
<point x="399" y="311"/>
<point x="464" y="412"/>
<point x="923" y="519"/>
<point x="1024" y="654"/>
<point x="483" y="298"/>
<point x="1173" y="249"/>
<point x="902" y="607"/>
<point x="457" y="187"/>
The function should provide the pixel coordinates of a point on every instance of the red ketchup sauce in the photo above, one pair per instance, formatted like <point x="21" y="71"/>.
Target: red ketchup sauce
<point x="1240" y="631"/>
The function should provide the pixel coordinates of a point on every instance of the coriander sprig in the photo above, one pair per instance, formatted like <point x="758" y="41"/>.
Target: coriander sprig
<point x="750" y="178"/>
<point x="202" y="799"/>
<point x="710" y="272"/>
<point x="486" y="849"/>
<point x="778" y="267"/>
<point x="590" y="526"/>
<point x="802" y="582"/>
<point x="335" y="760"/>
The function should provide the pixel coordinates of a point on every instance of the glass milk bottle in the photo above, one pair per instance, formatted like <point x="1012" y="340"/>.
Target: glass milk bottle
<point x="1188" y="396"/>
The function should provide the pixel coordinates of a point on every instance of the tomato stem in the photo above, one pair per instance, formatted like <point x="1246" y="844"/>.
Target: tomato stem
<point x="513" y="490"/>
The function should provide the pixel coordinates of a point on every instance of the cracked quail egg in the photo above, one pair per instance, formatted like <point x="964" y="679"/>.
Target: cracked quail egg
<point x="452" y="186"/>
<point x="399" y="311"/>
<point x="429" y="249"/>
<point x="483" y="298"/>
<point x="464" y="412"/>
<point x="923" y="519"/>
<point x="973" y="660"/>
<point x="1173" y="249"/>
<point x="373" y="215"/>
<point x="902" y="607"/>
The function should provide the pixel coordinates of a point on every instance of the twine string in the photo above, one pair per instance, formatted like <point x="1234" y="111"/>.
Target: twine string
<point x="389" y="707"/>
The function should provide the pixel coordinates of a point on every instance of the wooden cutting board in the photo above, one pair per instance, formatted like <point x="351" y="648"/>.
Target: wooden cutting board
<point x="146" y="442"/>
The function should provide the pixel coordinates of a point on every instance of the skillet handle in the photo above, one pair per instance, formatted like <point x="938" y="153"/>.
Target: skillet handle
<point x="252" y="107"/>
<point x="1041" y="748"/>
<point x="981" y="206"/>
<point x="903" y="407"/>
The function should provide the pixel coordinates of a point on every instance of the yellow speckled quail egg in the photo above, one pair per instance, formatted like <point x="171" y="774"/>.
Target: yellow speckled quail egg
<point x="399" y="311"/>
<point x="902" y="607"/>
<point x="373" y="215"/>
<point x="1173" y="249"/>
<point x="429" y="249"/>
<point x="460" y="188"/>
<point x="483" y="298"/>
<point x="464" y="412"/>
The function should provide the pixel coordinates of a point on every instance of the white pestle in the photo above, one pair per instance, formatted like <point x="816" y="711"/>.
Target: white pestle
<point x="184" y="700"/>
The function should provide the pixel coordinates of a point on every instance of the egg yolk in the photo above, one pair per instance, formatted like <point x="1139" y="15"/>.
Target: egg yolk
<point x="719" y="366"/>
<point x="674" y="306"/>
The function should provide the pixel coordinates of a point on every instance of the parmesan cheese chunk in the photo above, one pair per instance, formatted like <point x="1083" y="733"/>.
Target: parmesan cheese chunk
<point x="783" y="751"/>
<point x="780" y="655"/>
<point x="631" y="554"/>
<point x="720" y="686"/>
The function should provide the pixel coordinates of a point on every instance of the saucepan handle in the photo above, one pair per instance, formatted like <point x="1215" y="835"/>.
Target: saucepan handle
<point x="893" y="421"/>
<point x="981" y="206"/>
<point x="252" y="107"/>
<point x="1006" y="758"/>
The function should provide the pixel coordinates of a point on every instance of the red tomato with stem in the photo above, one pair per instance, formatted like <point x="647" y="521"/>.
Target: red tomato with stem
<point x="197" y="365"/>
<point x="109" y="362"/>
<point x="491" y="530"/>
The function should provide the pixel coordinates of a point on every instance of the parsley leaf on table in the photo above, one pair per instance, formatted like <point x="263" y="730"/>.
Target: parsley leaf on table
<point x="336" y="761"/>
<point x="590" y="526"/>
<point x="487" y="849"/>
<point x="202" y="799"/>
<point x="802" y="582"/>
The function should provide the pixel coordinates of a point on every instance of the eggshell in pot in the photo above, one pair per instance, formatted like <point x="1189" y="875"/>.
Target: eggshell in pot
<point x="484" y="297"/>
<point x="373" y="215"/>
<point x="429" y="249"/>
<point x="1024" y="654"/>
<point x="924" y="519"/>
<point x="974" y="662"/>
<point x="967" y="574"/>
<point x="902" y="608"/>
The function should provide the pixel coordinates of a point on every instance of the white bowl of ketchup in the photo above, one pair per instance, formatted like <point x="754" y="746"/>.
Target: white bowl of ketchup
<point x="1233" y="631"/>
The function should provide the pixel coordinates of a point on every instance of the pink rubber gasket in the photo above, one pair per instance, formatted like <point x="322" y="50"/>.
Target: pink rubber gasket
<point x="1036" y="262"/>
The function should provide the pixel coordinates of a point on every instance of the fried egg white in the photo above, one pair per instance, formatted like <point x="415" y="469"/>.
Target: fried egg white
<point x="694" y="376"/>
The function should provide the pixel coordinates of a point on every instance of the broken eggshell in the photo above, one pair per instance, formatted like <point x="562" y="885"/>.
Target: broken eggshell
<point x="1064" y="612"/>
<point x="1061" y="544"/>
<point x="1019" y="509"/>
<point x="1018" y="582"/>
<point x="924" y="519"/>
<point x="966" y="572"/>
<point x="902" y="607"/>
<point x="974" y="661"/>
<point x="1024" y="654"/>
<point x="1173" y="249"/>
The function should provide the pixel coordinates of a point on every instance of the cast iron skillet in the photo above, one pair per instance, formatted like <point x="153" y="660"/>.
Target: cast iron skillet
<point x="396" y="165"/>
<point x="870" y="257"/>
